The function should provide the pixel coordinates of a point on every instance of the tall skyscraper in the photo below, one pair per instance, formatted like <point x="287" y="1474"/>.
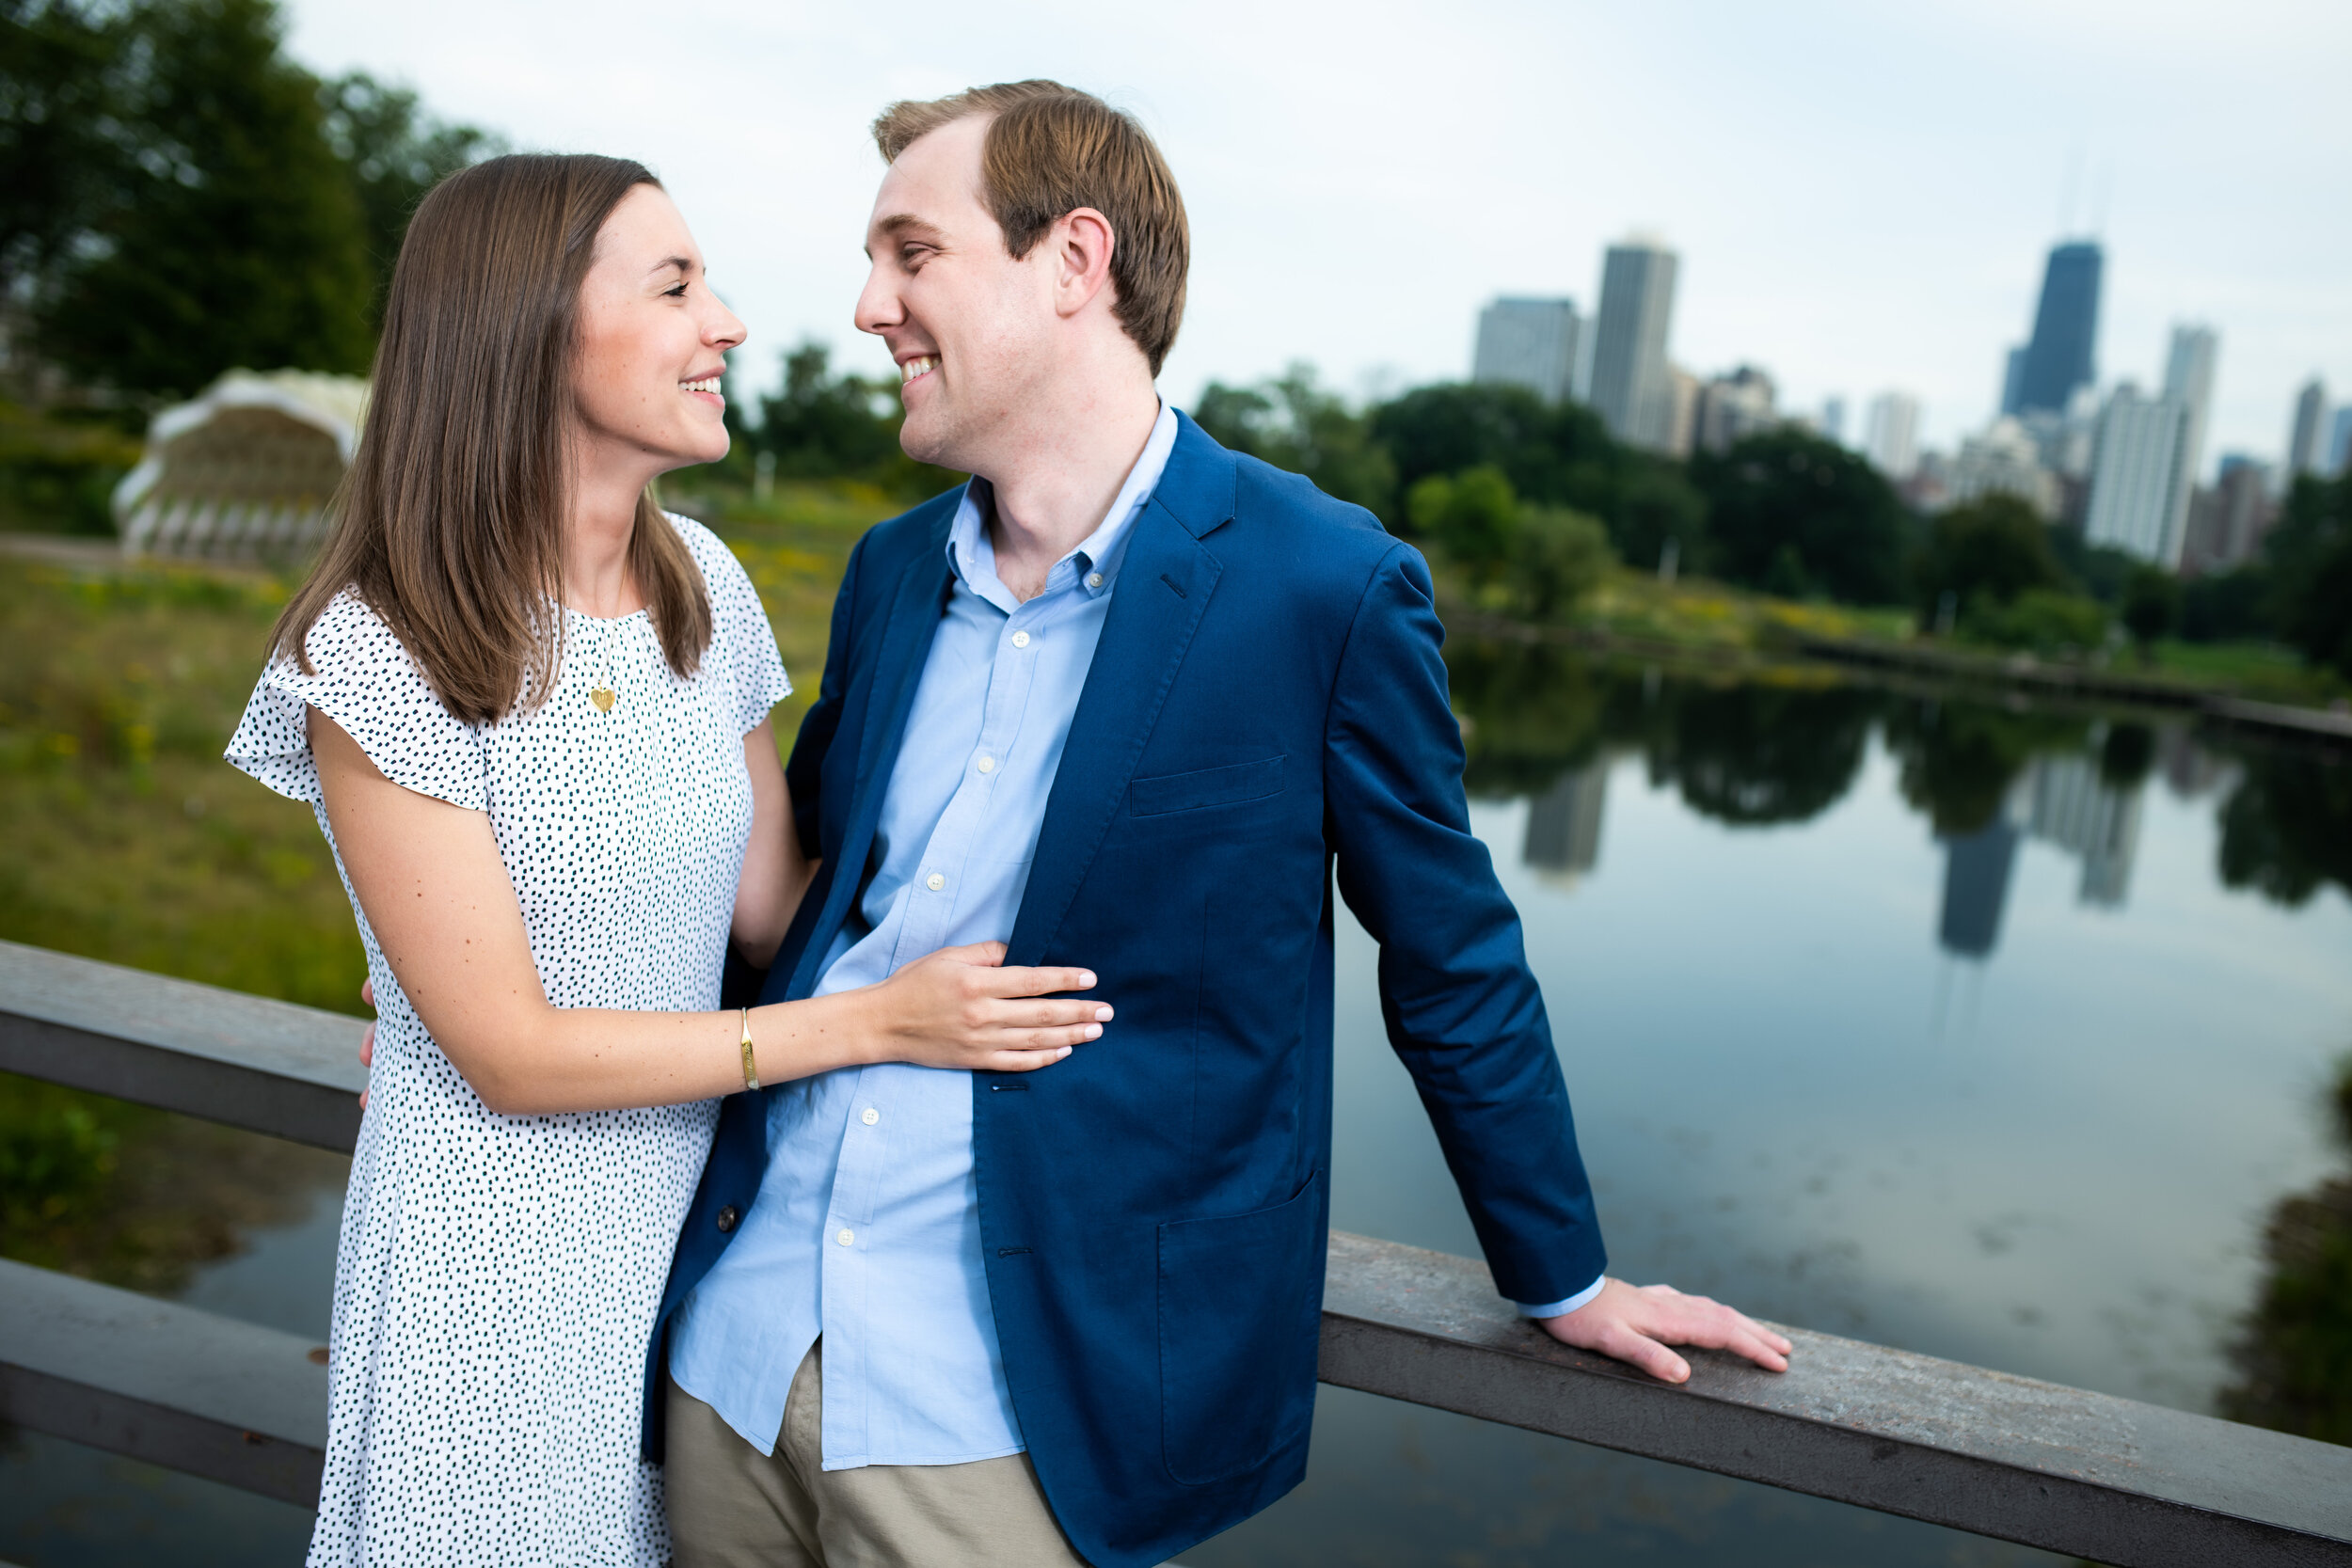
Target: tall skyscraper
<point x="1833" y="420"/>
<point x="1976" y="887"/>
<point x="2134" y="475"/>
<point x="2062" y="353"/>
<point x="2340" y="441"/>
<point x="1531" y="343"/>
<point x="1890" y="435"/>
<point x="2188" y="372"/>
<point x="1630" y="387"/>
<point x="2311" y="415"/>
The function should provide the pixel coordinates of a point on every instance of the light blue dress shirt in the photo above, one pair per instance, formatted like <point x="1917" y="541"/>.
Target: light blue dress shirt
<point x="866" y="1228"/>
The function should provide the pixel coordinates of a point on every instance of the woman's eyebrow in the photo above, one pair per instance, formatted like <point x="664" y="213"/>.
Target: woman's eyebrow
<point x="683" y="263"/>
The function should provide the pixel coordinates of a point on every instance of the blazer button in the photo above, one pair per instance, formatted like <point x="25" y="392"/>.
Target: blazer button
<point x="727" y="1216"/>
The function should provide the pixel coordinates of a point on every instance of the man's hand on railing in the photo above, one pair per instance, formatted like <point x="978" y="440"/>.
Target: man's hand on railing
<point x="367" y="1041"/>
<point x="1635" y="1325"/>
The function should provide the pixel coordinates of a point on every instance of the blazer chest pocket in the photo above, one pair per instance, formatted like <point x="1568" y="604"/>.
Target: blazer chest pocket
<point x="1210" y="786"/>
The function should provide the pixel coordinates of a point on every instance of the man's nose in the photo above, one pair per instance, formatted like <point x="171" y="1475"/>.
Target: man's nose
<point x="877" y="305"/>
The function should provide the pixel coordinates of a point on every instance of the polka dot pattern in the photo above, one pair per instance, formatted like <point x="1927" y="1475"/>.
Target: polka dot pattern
<point x="498" y="1276"/>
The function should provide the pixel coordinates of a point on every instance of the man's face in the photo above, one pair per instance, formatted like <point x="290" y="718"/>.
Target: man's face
<point x="966" y="323"/>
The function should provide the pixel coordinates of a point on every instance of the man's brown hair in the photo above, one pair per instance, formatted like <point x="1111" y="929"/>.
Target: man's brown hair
<point x="1050" y="149"/>
<point x="449" y="522"/>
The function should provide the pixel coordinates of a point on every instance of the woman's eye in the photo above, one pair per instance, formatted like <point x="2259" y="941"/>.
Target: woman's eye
<point x="676" y="292"/>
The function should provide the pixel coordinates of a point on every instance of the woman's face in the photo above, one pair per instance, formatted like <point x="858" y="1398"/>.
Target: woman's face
<point x="653" y="340"/>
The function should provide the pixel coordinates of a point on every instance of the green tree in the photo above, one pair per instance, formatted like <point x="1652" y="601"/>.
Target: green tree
<point x="1557" y="557"/>
<point x="1295" y="424"/>
<point x="2151" y="606"/>
<point x="2310" y="556"/>
<point x="1798" y="514"/>
<point x="57" y="105"/>
<point x="1553" y="455"/>
<point x="2287" y="829"/>
<point x="231" y="235"/>
<point x="394" y="151"/>
<point x="1472" y="518"/>
<point x="1988" y="551"/>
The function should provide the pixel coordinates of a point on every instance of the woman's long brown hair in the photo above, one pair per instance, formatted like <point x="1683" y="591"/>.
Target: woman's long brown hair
<point x="450" y="521"/>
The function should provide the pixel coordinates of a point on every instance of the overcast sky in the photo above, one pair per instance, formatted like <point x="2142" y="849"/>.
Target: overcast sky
<point x="1862" y="194"/>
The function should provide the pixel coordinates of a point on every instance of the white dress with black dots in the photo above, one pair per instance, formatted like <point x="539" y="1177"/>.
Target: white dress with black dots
<point x="498" y="1276"/>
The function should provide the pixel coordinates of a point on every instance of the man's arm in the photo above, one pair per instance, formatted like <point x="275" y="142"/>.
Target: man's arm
<point x="1462" y="1009"/>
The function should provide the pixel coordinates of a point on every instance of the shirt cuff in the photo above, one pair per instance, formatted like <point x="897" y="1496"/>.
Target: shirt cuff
<point x="1562" y="1308"/>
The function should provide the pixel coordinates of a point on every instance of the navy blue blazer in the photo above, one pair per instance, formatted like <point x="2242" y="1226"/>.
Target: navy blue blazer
<point x="1266" y="702"/>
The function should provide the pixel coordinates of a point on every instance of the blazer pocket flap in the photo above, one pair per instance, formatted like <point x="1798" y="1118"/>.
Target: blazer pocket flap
<point x="1210" y="786"/>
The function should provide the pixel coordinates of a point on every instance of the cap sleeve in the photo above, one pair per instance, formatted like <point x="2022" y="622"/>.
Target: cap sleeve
<point x="365" y="680"/>
<point x="739" y="628"/>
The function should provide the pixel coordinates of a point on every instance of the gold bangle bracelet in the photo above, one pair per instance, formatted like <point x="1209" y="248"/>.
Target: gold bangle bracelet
<point x="751" y="1067"/>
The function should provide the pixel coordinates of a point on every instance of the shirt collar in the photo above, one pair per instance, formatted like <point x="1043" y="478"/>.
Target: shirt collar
<point x="972" y="556"/>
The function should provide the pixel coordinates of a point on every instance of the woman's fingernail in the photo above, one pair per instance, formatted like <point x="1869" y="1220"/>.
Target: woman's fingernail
<point x="1086" y="979"/>
<point x="1063" y="1051"/>
<point x="1094" y="1031"/>
<point x="1102" y="1015"/>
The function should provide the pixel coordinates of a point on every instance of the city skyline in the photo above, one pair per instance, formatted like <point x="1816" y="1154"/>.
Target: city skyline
<point x="1849" y="217"/>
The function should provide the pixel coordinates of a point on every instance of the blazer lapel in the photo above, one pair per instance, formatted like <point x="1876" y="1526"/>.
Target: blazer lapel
<point x="914" y="621"/>
<point x="1164" y="587"/>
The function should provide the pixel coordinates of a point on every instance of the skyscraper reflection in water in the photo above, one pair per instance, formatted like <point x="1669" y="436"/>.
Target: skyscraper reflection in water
<point x="2062" y="802"/>
<point x="1563" y="824"/>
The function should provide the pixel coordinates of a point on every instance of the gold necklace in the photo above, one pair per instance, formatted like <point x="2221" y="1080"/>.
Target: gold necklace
<point x="602" y="694"/>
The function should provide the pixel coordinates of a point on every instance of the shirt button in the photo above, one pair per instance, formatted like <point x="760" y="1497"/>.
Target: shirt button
<point x="726" y="1219"/>
<point x="845" y="1236"/>
<point x="870" y="1116"/>
<point x="935" y="881"/>
<point x="988" y="764"/>
<point x="1021" y="640"/>
<point x="1095" y="579"/>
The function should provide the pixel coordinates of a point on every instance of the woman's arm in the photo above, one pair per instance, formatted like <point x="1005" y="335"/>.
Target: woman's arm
<point x="775" y="872"/>
<point x="438" y="896"/>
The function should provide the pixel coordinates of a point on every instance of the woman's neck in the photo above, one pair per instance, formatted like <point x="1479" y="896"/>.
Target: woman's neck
<point x="602" y="518"/>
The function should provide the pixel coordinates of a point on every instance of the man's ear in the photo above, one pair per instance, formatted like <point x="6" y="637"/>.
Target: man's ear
<point x="1082" y="242"/>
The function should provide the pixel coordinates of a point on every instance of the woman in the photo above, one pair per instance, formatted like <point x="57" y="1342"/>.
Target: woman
<point x="531" y="713"/>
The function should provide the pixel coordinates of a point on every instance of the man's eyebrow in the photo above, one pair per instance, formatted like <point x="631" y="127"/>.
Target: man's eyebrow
<point x="901" y="225"/>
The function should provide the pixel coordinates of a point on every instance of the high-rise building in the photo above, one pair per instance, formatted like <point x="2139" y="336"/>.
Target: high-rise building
<point x="2340" y="441"/>
<point x="1732" y="406"/>
<point x="1833" y="420"/>
<point x="2134" y="475"/>
<point x="1632" y="387"/>
<point x="2004" y="460"/>
<point x="2064" y="352"/>
<point x="2188" y="372"/>
<point x="2311" y="416"/>
<point x="1531" y="343"/>
<point x="2227" y="522"/>
<point x="1890" y="435"/>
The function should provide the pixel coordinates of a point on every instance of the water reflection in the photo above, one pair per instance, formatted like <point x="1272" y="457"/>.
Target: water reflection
<point x="1548" y="723"/>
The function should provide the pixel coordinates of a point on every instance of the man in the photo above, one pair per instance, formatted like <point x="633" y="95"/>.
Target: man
<point x="1123" y="700"/>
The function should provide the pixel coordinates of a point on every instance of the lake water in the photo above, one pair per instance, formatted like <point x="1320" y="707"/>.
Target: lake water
<point x="1986" y="1032"/>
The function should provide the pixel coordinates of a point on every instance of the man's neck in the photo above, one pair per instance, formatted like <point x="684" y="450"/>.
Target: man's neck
<point x="1052" y="491"/>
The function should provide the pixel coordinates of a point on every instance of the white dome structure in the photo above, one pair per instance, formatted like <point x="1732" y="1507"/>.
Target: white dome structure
<point x="245" y="471"/>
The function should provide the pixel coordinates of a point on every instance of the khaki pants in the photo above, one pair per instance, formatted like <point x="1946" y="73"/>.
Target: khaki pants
<point x="733" y="1507"/>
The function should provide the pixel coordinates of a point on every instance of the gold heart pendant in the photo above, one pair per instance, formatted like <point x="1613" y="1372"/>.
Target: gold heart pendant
<point x="604" y="697"/>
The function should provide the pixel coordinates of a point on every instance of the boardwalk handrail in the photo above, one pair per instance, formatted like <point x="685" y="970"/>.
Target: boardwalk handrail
<point x="2097" y="1477"/>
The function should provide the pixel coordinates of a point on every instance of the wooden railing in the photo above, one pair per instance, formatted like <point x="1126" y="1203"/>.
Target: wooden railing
<point x="2111" y="1479"/>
